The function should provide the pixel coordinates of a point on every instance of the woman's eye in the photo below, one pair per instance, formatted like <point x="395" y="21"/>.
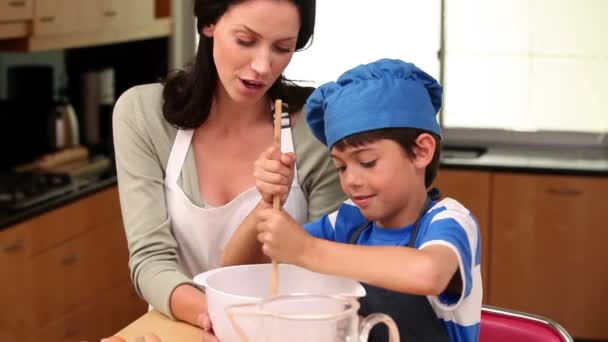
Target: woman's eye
<point x="340" y="168"/>
<point x="245" y="42"/>
<point x="283" y="49"/>
<point x="368" y="165"/>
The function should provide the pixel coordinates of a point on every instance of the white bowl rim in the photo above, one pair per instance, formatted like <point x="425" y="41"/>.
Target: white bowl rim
<point x="201" y="279"/>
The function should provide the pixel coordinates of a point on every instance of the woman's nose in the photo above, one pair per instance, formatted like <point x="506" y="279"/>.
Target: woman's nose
<point x="262" y="61"/>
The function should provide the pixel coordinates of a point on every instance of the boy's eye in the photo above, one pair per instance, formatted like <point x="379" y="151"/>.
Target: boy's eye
<point x="340" y="168"/>
<point x="368" y="165"/>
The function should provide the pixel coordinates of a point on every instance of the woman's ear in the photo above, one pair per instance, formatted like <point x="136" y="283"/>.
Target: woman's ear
<point x="208" y="30"/>
<point x="424" y="150"/>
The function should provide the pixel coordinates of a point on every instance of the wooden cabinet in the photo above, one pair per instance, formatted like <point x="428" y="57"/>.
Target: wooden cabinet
<point x="106" y="314"/>
<point x="13" y="16"/>
<point x="132" y="13"/>
<point x="89" y="265"/>
<point x="472" y="189"/>
<point x="54" y="17"/>
<point x="543" y="243"/>
<point x="68" y="272"/>
<point x="59" y="24"/>
<point x="14" y="10"/>
<point x="548" y="249"/>
<point x="12" y="256"/>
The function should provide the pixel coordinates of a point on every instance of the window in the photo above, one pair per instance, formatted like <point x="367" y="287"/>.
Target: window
<point x="526" y="65"/>
<point x="353" y="32"/>
<point x="529" y="70"/>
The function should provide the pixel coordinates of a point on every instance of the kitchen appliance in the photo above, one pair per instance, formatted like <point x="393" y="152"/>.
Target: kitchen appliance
<point x="98" y="97"/>
<point x="245" y="284"/>
<point x="66" y="133"/>
<point x="305" y="318"/>
<point x="27" y="131"/>
<point x="30" y="83"/>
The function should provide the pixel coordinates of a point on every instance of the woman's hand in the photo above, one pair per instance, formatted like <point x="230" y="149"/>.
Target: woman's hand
<point x="282" y="238"/>
<point x="205" y="323"/>
<point x="273" y="172"/>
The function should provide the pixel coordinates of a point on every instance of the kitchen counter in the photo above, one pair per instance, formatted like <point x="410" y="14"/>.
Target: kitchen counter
<point x="10" y="218"/>
<point x="522" y="160"/>
<point x="167" y="329"/>
<point x="528" y="161"/>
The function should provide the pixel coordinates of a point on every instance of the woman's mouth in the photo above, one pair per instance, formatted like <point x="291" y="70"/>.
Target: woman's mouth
<point x="251" y="84"/>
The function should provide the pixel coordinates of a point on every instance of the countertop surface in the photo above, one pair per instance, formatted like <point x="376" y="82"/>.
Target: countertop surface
<point x="493" y="159"/>
<point x="528" y="161"/>
<point x="10" y="218"/>
<point x="163" y="327"/>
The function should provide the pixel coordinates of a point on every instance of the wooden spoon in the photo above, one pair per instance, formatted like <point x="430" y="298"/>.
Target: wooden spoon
<point x="276" y="200"/>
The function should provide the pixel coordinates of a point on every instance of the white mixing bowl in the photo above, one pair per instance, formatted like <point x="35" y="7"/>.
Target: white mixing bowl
<point x="250" y="283"/>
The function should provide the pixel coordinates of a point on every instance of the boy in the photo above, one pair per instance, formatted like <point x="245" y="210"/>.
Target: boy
<point x="418" y="258"/>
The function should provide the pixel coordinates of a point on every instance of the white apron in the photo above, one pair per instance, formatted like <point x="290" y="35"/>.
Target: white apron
<point x="202" y="233"/>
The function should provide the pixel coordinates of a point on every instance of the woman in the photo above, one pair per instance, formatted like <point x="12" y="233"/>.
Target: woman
<point x="185" y="150"/>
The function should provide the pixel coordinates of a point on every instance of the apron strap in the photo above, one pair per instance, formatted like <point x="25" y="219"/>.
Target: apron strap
<point x="180" y="148"/>
<point x="287" y="140"/>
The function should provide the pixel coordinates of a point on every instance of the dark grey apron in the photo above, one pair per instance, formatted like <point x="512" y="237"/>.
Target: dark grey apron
<point x="413" y="314"/>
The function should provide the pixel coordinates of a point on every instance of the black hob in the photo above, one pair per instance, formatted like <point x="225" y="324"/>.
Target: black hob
<point x="20" y="190"/>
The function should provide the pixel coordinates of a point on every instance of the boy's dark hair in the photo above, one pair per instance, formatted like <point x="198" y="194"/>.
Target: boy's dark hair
<point x="405" y="137"/>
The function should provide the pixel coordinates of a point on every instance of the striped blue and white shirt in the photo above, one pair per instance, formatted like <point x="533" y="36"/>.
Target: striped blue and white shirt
<point x="446" y="223"/>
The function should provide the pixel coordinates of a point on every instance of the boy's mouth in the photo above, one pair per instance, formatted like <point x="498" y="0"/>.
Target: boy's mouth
<point x="362" y="200"/>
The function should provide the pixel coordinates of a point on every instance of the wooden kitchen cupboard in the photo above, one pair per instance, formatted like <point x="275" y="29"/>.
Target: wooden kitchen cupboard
<point x="13" y="17"/>
<point x="55" y="17"/>
<point x="12" y="257"/>
<point x="73" y="273"/>
<point x="60" y="24"/>
<point x="472" y="189"/>
<point x="548" y="249"/>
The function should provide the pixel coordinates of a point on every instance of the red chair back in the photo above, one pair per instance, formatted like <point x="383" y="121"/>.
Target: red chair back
<point x="502" y="325"/>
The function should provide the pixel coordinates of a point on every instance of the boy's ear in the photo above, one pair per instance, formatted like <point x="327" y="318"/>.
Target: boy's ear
<point x="424" y="150"/>
<point x="208" y="30"/>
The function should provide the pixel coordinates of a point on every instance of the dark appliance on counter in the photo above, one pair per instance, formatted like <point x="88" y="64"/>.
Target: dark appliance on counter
<point x="30" y="83"/>
<point x="27" y="131"/>
<point x="27" y="120"/>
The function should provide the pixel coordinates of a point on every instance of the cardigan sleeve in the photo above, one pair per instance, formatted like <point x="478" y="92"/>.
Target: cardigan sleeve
<point x="139" y="136"/>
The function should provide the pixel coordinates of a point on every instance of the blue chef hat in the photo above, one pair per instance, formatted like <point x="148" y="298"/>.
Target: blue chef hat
<point x="383" y="94"/>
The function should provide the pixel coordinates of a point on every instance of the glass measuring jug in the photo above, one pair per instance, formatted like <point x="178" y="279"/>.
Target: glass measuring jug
<point x="305" y="318"/>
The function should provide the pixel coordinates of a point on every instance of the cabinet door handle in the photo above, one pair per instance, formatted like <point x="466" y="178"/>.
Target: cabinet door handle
<point x="17" y="3"/>
<point x="564" y="191"/>
<point x="70" y="260"/>
<point x="46" y="19"/>
<point x="15" y="247"/>
<point x="70" y="332"/>
<point x="109" y="13"/>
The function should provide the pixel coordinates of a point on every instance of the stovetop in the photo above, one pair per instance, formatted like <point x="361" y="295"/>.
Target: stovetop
<point x="20" y="190"/>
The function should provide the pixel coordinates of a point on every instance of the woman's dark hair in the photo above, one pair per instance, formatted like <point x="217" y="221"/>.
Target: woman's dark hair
<point x="405" y="137"/>
<point x="188" y="93"/>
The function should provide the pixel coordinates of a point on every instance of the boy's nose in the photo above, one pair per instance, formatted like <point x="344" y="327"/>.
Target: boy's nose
<point x="352" y="180"/>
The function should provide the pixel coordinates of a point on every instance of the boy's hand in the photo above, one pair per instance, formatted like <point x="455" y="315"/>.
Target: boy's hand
<point x="282" y="238"/>
<point x="273" y="172"/>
